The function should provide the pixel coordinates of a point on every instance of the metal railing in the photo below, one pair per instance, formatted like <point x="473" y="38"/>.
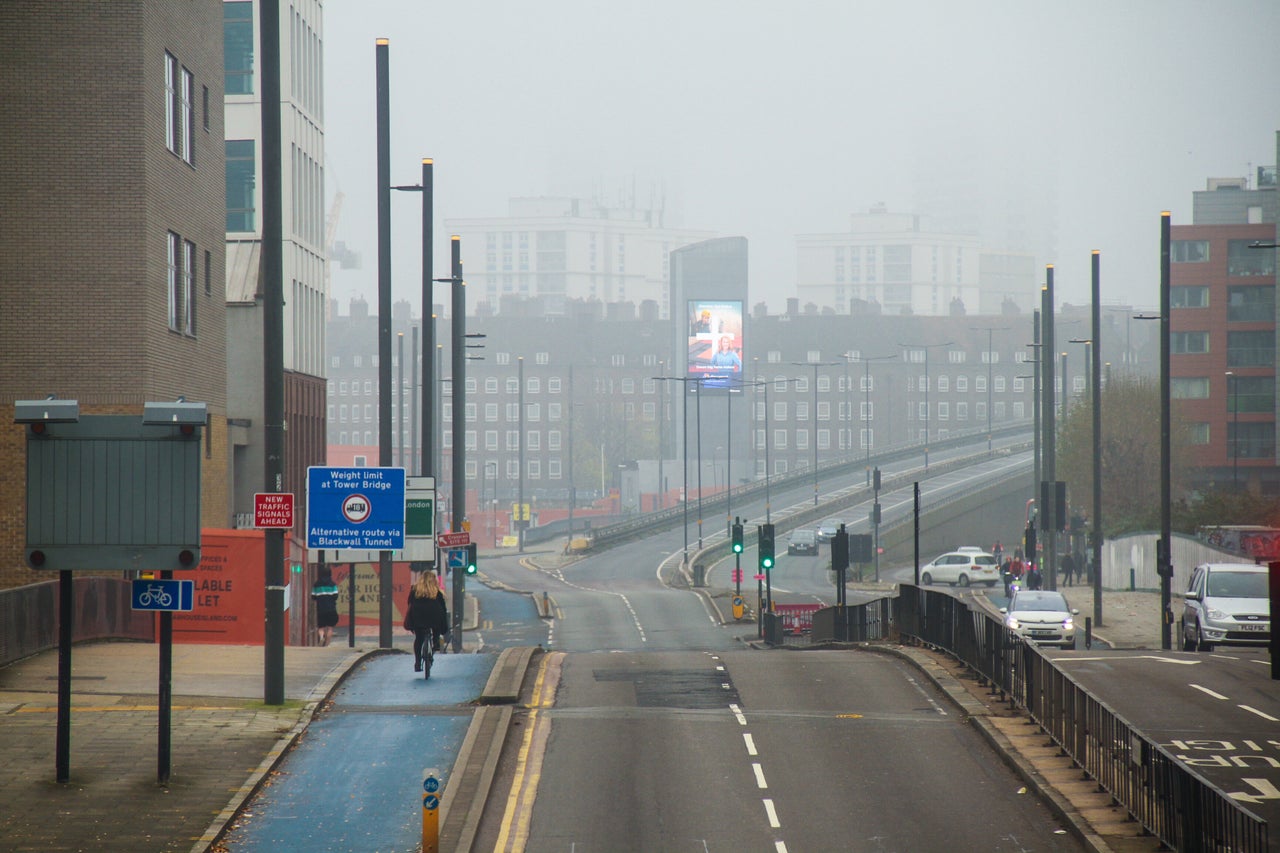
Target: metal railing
<point x="1173" y="802"/>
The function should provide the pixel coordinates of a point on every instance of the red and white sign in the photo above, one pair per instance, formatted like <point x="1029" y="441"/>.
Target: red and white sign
<point x="453" y="540"/>
<point x="271" y="509"/>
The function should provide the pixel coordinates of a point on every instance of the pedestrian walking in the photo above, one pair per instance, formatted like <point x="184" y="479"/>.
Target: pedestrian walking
<point x="997" y="551"/>
<point x="1068" y="568"/>
<point x="325" y="595"/>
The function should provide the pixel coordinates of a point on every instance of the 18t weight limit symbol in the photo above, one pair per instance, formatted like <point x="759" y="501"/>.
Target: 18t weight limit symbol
<point x="356" y="508"/>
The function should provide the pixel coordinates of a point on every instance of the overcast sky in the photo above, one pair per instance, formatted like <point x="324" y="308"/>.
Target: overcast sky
<point x="772" y="119"/>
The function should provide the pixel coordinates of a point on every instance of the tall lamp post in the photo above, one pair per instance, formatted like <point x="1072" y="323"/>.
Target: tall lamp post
<point x="926" y="348"/>
<point x="1235" y="431"/>
<point x="684" y="444"/>
<point x="866" y="390"/>
<point x="521" y="520"/>
<point x="990" y="361"/>
<point x="815" y="365"/>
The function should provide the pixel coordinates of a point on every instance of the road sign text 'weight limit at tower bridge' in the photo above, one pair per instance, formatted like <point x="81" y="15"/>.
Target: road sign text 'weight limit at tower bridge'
<point x="355" y="508"/>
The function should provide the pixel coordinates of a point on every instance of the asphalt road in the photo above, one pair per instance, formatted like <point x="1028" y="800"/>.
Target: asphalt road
<point x="1219" y="713"/>
<point x="744" y="751"/>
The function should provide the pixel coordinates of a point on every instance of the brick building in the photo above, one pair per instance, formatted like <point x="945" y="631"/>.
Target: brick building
<point x="112" y="182"/>
<point x="1223" y="333"/>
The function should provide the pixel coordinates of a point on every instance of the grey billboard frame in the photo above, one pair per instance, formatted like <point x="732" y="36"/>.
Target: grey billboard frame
<point x="114" y="492"/>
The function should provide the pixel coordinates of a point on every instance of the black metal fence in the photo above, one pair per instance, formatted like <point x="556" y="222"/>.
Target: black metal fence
<point x="1173" y="802"/>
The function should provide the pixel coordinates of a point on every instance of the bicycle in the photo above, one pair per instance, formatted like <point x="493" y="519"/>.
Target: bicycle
<point x="158" y="594"/>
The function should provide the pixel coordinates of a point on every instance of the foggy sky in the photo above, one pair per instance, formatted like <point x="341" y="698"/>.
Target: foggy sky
<point x="771" y="119"/>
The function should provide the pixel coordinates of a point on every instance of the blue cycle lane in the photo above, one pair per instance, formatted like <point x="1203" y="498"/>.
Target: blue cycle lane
<point x="353" y="782"/>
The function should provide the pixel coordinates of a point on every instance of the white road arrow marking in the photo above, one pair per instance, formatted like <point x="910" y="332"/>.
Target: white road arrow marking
<point x="1266" y="791"/>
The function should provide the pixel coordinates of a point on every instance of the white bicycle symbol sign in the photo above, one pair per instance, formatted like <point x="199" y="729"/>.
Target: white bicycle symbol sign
<point x="157" y="594"/>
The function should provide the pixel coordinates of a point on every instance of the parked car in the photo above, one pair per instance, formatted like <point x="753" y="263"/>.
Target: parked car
<point x="961" y="567"/>
<point x="827" y="529"/>
<point x="1043" y="617"/>
<point x="1228" y="604"/>
<point x="802" y="541"/>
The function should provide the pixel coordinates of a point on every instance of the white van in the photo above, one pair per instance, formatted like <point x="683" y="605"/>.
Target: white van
<point x="1227" y="604"/>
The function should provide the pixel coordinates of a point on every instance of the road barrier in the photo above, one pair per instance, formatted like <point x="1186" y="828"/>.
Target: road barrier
<point x="1173" y="802"/>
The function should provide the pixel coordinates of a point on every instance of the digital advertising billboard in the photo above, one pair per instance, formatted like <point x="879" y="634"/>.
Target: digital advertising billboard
<point x="715" y="342"/>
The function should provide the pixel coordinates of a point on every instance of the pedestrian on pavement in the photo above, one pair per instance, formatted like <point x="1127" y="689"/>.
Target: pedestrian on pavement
<point x="997" y="551"/>
<point x="325" y="594"/>
<point x="1068" y="568"/>
<point x="427" y="615"/>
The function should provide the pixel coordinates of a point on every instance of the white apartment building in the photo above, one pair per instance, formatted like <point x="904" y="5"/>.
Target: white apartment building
<point x="302" y="143"/>
<point x="304" y="237"/>
<point x="891" y="260"/>
<point x="559" y="249"/>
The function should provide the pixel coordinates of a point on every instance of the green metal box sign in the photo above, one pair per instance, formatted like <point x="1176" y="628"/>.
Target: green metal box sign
<point x="109" y="492"/>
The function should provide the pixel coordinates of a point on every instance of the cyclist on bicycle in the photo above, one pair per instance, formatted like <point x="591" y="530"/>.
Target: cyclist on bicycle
<point x="428" y="616"/>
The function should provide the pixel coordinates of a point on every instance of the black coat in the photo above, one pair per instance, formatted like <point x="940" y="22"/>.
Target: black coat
<point x="427" y="613"/>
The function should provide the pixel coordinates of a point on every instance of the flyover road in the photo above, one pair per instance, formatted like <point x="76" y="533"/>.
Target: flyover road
<point x="750" y="751"/>
<point x="805" y="579"/>
<point x="1218" y="713"/>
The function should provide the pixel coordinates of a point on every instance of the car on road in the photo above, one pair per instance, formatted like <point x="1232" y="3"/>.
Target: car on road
<point x="1042" y="616"/>
<point x="961" y="567"/>
<point x="1226" y="604"/>
<point x="802" y="541"/>
<point x="827" y="529"/>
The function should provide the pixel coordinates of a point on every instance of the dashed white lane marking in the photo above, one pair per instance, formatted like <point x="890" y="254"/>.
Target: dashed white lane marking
<point x="751" y="743"/>
<point x="760" y="782"/>
<point x="780" y="846"/>
<point x="737" y="715"/>
<point x="1212" y="693"/>
<point x="773" y="814"/>
<point x="1265" y="716"/>
<point x="927" y="697"/>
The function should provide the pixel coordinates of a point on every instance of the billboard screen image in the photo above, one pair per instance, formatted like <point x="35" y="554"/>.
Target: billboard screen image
<point x="715" y="341"/>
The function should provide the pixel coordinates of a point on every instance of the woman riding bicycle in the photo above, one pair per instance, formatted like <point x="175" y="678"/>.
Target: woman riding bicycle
<point x="428" y="615"/>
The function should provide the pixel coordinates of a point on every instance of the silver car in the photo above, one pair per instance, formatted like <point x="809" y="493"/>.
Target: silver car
<point x="1227" y="604"/>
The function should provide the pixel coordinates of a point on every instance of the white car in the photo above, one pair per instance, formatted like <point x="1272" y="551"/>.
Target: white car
<point x="961" y="567"/>
<point x="1042" y="616"/>
<point x="1227" y="604"/>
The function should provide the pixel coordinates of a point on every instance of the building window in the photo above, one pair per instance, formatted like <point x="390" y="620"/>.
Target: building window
<point x="780" y="439"/>
<point x="1256" y="394"/>
<point x="553" y="469"/>
<point x="802" y="439"/>
<point x="1189" y="387"/>
<point x="1199" y="433"/>
<point x="491" y="385"/>
<point x="1251" y="349"/>
<point x="237" y="47"/>
<point x="490" y="412"/>
<point x="1251" y="440"/>
<point x="1189" y="296"/>
<point x="1188" y="343"/>
<point x="1190" y="251"/>
<point x="170" y="99"/>
<point x="1241" y="260"/>
<point x="1251" y="303"/>
<point x="553" y="439"/>
<point x="241" y="184"/>
<point x="189" y="287"/>
<point x="553" y="385"/>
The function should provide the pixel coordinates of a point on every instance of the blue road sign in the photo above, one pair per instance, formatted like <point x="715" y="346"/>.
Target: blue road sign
<point x="163" y="595"/>
<point x="457" y="558"/>
<point x="355" y="508"/>
<point x="431" y="802"/>
<point x="431" y="784"/>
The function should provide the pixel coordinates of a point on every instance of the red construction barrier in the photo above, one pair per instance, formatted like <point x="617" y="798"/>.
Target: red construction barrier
<point x="797" y="619"/>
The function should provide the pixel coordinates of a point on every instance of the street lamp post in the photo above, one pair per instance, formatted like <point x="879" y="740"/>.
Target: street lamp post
<point x="815" y="365"/>
<point x="990" y="361"/>
<point x="1235" y="431"/>
<point x="926" y="348"/>
<point x="866" y="390"/>
<point x="521" y="521"/>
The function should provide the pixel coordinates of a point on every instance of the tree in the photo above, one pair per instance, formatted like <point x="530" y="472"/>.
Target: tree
<point x="1130" y="449"/>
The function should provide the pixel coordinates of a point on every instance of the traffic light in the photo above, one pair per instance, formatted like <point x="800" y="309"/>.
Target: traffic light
<point x="765" y="546"/>
<point x="471" y="559"/>
<point x="737" y="537"/>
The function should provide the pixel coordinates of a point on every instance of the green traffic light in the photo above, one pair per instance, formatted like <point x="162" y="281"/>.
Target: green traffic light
<point x="767" y="562"/>
<point x="737" y="547"/>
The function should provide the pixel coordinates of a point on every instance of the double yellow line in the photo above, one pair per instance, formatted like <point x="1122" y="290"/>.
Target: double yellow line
<point x="514" y="834"/>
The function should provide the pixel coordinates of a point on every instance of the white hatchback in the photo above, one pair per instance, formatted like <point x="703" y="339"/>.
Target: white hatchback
<point x="1042" y="616"/>
<point x="961" y="567"/>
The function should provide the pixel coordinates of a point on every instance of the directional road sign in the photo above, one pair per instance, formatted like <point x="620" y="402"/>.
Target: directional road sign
<point x="355" y="508"/>
<point x="457" y="558"/>
<point x="454" y="540"/>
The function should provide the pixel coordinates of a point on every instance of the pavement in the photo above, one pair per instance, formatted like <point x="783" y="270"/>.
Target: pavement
<point x="227" y="745"/>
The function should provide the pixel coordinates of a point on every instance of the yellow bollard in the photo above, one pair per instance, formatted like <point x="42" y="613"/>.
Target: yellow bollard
<point x="431" y="797"/>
